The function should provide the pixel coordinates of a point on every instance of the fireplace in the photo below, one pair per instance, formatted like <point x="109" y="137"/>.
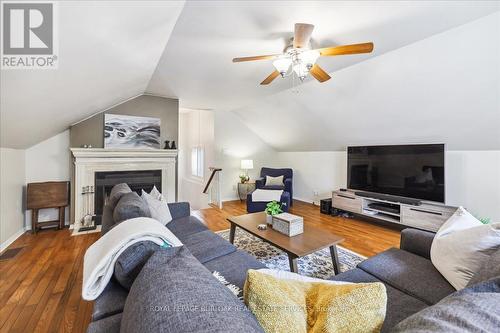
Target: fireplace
<point x="97" y="170"/>
<point x="137" y="180"/>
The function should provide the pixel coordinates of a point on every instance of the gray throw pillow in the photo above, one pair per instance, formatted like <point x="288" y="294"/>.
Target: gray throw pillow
<point x="274" y="181"/>
<point x="473" y="309"/>
<point x="489" y="269"/>
<point x="175" y="293"/>
<point x="130" y="263"/>
<point x="116" y="193"/>
<point x="130" y="206"/>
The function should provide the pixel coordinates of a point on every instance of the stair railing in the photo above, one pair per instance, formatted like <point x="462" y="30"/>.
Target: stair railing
<point x="213" y="187"/>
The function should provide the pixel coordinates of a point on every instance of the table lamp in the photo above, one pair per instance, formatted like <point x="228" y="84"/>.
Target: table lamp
<point x="246" y="165"/>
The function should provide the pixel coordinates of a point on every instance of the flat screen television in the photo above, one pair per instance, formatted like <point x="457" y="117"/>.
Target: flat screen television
<point x="413" y="171"/>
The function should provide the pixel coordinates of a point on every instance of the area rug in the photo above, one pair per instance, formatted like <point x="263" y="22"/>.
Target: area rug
<point x="318" y="264"/>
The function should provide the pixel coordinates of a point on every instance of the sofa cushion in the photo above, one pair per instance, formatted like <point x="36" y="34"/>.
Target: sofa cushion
<point x="106" y="325"/>
<point x="292" y="304"/>
<point x="416" y="241"/>
<point x="130" y="206"/>
<point x="175" y="293"/>
<point x="107" y="221"/>
<point x="409" y="273"/>
<point x="158" y="208"/>
<point x="130" y="262"/>
<point x="234" y="266"/>
<point x="399" y="304"/>
<point x="461" y="245"/>
<point x="473" y="309"/>
<point x="179" y="209"/>
<point x="206" y="245"/>
<point x="110" y="302"/>
<point x="490" y="269"/>
<point x="116" y="193"/>
<point x="274" y="181"/>
<point x="186" y="226"/>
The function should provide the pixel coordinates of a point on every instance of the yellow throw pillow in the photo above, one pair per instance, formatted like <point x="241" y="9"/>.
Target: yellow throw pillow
<point x="283" y="305"/>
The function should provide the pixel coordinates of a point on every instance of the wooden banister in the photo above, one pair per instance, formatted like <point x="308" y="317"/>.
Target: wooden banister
<point x="212" y="175"/>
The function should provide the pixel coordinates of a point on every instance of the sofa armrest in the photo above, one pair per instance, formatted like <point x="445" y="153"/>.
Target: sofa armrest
<point x="179" y="209"/>
<point x="288" y="185"/>
<point x="417" y="242"/>
<point x="259" y="183"/>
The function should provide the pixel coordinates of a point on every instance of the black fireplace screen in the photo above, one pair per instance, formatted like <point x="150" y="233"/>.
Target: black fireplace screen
<point x="136" y="180"/>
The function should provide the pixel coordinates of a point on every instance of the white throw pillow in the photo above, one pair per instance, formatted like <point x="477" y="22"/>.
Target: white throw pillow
<point x="461" y="246"/>
<point x="158" y="208"/>
<point x="274" y="181"/>
<point x="156" y="194"/>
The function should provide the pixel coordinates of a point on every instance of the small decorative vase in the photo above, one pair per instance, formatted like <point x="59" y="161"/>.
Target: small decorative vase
<point x="173" y="146"/>
<point x="167" y="145"/>
<point x="269" y="219"/>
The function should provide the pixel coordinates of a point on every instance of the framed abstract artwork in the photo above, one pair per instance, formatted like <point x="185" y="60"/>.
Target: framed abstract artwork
<point x="131" y="132"/>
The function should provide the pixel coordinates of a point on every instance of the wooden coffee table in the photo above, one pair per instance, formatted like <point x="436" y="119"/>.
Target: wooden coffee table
<point x="313" y="239"/>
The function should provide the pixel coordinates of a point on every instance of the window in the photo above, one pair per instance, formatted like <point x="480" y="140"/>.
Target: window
<point x="197" y="162"/>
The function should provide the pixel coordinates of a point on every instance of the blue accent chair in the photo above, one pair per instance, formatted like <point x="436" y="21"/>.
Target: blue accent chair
<point x="260" y="206"/>
<point x="287" y="180"/>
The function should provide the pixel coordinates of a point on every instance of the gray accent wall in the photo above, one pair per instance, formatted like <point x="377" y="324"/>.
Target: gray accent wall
<point x="91" y="131"/>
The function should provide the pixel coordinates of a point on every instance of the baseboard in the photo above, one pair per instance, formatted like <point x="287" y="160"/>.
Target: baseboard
<point x="12" y="239"/>
<point x="230" y="199"/>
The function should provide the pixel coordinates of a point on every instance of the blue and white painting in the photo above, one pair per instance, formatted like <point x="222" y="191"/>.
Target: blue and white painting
<point x="130" y="132"/>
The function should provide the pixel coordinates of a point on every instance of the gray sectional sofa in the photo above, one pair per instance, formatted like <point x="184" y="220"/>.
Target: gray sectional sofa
<point x="209" y="249"/>
<point x="414" y="286"/>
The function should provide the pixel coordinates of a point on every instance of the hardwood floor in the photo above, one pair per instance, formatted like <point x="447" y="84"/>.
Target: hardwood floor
<point x="40" y="288"/>
<point x="361" y="236"/>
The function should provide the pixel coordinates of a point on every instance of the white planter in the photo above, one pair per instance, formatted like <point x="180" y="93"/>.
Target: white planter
<point x="269" y="219"/>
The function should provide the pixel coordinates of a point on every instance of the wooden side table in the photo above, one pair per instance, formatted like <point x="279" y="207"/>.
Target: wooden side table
<point x="47" y="195"/>
<point x="244" y="189"/>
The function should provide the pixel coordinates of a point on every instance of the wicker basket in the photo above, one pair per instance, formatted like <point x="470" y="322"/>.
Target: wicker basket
<point x="288" y="224"/>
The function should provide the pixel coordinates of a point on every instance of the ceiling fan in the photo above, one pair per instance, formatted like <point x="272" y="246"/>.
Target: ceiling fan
<point x="300" y="58"/>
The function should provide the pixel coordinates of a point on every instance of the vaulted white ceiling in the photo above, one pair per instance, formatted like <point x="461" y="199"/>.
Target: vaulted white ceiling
<point x="108" y="51"/>
<point x="111" y="51"/>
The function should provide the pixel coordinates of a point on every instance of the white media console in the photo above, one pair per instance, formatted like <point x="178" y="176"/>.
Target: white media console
<point x="427" y="216"/>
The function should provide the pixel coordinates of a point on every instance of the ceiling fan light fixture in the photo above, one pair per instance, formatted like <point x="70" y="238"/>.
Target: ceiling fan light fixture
<point x="301" y="70"/>
<point x="282" y="65"/>
<point x="309" y="57"/>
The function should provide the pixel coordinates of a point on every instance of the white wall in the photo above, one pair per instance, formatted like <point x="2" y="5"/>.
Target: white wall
<point x="473" y="181"/>
<point x="196" y="128"/>
<point x="49" y="160"/>
<point x="315" y="174"/>
<point x="234" y="141"/>
<point x="12" y="182"/>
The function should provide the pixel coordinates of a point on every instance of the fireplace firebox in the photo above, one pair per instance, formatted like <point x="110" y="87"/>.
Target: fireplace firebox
<point x="136" y="180"/>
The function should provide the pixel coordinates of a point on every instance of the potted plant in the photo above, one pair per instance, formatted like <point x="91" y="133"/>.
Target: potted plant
<point x="272" y="208"/>
<point x="243" y="179"/>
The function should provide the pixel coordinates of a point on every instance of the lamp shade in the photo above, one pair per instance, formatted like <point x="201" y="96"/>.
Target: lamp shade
<point x="246" y="164"/>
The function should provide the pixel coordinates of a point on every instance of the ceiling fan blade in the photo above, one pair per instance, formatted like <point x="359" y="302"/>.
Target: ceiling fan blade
<point x="319" y="74"/>
<point x="346" y="49"/>
<point x="302" y="35"/>
<point x="262" y="57"/>
<point x="270" y="78"/>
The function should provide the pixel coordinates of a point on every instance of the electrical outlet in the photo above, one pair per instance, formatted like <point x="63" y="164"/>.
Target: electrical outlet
<point x="316" y="193"/>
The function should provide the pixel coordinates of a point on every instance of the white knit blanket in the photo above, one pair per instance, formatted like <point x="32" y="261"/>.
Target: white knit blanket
<point x="266" y="195"/>
<point x="100" y="258"/>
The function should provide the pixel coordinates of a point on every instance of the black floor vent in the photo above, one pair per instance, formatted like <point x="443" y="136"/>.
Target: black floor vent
<point x="10" y="253"/>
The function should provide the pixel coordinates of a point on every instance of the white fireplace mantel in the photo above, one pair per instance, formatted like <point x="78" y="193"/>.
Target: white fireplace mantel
<point x="88" y="161"/>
